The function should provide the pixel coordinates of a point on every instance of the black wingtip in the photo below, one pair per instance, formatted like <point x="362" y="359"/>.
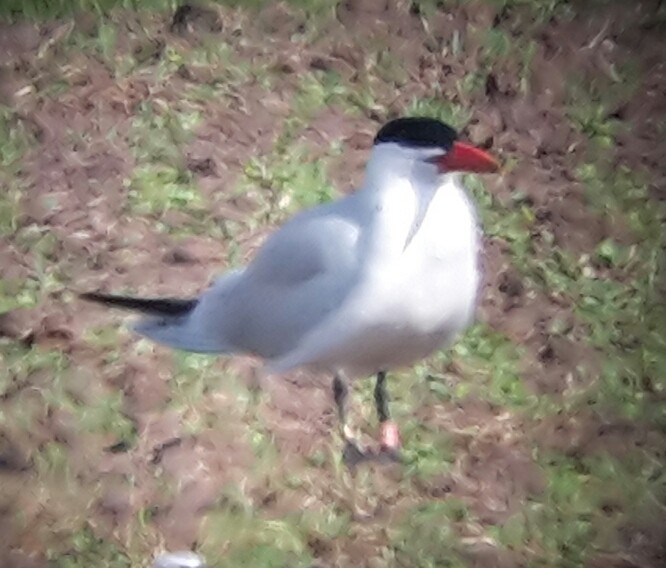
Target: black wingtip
<point x="91" y="296"/>
<point x="151" y="306"/>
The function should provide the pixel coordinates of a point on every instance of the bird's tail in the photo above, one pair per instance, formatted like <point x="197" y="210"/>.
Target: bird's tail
<point x="172" y="322"/>
<point x="173" y="307"/>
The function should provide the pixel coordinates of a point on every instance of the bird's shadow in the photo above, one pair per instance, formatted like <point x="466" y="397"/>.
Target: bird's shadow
<point x="353" y="456"/>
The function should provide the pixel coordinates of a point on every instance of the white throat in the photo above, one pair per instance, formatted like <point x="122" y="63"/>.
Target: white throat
<point x="403" y="188"/>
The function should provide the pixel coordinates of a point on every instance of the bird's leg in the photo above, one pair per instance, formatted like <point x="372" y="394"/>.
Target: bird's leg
<point x="352" y="453"/>
<point x="340" y="394"/>
<point x="390" y="435"/>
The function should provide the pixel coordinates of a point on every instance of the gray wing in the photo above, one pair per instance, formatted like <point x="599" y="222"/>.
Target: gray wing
<point x="302" y="273"/>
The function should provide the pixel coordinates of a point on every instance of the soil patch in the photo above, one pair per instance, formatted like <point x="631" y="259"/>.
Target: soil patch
<point x="76" y="195"/>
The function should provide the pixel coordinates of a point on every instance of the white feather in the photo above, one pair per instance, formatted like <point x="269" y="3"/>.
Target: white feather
<point x="375" y="280"/>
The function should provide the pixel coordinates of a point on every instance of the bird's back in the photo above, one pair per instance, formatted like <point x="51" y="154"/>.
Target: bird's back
<point x="300" y="275"/>
<point x="406" y="301"/>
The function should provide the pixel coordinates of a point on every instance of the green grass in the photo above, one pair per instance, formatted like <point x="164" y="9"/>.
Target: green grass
<point x="156" y="188"/>
<point x="612" y="290"/>
<point x="15" y="139"/>
<point x="316" y="91"/>
<point x="85" y="549"/>
<point x="494" y="373"/>
<point x="428" y="538"/>
<point x="9" y="212"/>
<point x="38" y="10"/>
<point x="252" y="541"/>
<point x="538" y="11"/>
<point x="20" y="366"/>
<point x="585" y="503"/>
<point x="587" y="499"/>
<point x="45" y="9"/>
<point x="441" y="109"/>
<point x="289" y="181"/>
<point x="625" y="322"/>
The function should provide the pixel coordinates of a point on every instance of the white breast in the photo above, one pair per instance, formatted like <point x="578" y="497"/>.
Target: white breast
<point x="412" y="300"/>
<point x="421" y="297"/>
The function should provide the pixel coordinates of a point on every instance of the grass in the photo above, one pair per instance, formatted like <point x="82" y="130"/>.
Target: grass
<point x="86" y="549"/>
<point x="250" y="540"/>
<point x="291" y="508"/>
<point x="39" y="10"/>
<point x="289" y="179"/>
<point x="613" y="293"/>
<point x="585" y="502"/>
<point x="438" y="108"/>
<point x="15" y="138"/>
<point x="44" y="9"/>
<point x="428" y="539"/>
<point x="156" y="188"/>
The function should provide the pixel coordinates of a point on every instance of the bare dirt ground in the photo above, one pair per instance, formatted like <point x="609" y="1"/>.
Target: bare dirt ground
<point x="152" y="469"/>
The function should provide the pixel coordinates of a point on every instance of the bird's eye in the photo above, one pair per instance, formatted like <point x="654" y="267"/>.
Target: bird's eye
<point x="435" y="159"/>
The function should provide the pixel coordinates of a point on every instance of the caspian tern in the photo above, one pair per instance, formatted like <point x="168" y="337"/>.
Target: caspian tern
<point x="373" y="281"/>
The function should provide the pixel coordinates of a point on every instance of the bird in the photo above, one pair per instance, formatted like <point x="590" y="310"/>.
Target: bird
<point x="356" y="287"/>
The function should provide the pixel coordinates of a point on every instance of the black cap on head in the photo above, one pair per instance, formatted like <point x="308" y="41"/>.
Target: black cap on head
<point x="418" y="132"/>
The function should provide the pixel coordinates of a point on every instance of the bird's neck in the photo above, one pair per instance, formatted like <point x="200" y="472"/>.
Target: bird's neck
<point x="398" y="205"/>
